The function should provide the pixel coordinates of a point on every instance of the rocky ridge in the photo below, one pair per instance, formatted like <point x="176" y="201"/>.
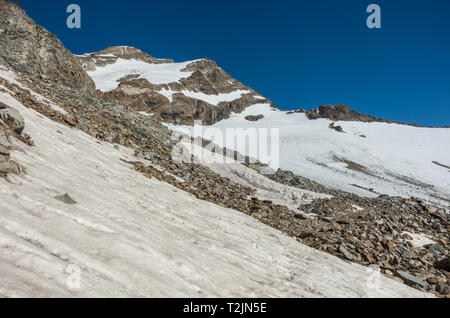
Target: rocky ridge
<point x="345" y="113"/>
<point x="110" y="55"/>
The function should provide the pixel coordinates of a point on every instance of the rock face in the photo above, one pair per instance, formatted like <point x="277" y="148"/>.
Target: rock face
<point x="340" y="113"/>
<point x="345" y="113"/>
<point x="179" y="102"/>
<point x="35" y="52"/>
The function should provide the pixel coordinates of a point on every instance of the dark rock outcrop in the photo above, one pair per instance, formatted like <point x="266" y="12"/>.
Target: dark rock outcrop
<point x="340" y="113"/>
<point x="33" y="51"/>
<point x="254" y="117"/>
<point x="344" y="113"/>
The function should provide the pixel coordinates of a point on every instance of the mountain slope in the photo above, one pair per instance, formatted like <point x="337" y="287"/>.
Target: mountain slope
<point x="167" y="91"/>
<point x="92" y="181"/>
<point x="134" y="236"/>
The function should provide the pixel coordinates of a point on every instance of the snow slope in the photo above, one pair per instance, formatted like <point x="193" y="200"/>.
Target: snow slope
<point x="133" y="236"/>
<point x="266" y="189"/>
<point x="393" y="159"/>
<point x="105" y="78"/>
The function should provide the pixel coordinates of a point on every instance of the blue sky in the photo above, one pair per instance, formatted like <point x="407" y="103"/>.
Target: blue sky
<point x="297" y="53"/>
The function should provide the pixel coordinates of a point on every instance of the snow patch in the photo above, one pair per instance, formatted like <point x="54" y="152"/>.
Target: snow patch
<point x="419" y="240"/>
<point x="106" y="78"/>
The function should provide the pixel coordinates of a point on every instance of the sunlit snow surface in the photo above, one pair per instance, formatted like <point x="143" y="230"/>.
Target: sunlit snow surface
<point x="396" y="159"/>
<point x="106" y="78"/>
<point x="133" y="236"/>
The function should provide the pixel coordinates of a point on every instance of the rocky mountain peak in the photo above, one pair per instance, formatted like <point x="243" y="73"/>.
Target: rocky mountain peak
<point x="30" y="50"/>
<point x="170" y="92"/>
<point x="111" y="54"/>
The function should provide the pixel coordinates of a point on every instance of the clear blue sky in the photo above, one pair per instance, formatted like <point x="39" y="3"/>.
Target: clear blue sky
<point x="297" y="53"/>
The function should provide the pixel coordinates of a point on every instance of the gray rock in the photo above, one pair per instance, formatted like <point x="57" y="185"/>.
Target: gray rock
<point x="12" y="118"/>
<point x="346" y="253"/>
<point x="436" y="249"/>
<point x="66" y="199"/>
<point x="410" y="279"/>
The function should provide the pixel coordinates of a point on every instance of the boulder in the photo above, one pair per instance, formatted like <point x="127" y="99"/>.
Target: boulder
<point x="254" y="117"/>
<point x="13" y="119"/>
<point x="346" y="253"/>
<point x="443" y="264"/>
<point x="67" y="199"/>
<point x="410" y="279"/>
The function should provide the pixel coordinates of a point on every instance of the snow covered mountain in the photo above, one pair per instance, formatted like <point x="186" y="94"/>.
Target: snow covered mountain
<point x="167" y="91"/>
<point x="95" y="203"/>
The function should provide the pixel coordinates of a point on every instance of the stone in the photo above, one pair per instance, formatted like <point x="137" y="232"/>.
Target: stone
<point x="410" y="279"/>
<point x="431" y="209"/>
<point x="435" y="249"/>
<point x="254" y="118"/>
<point x="443" y="264"/>
<point x="12" y="118"/>
<point x="69" y="121"/>
<point x="299" y="216"/>
<point x="443" y="289"/>
<point x="304" y="235"/>
<point x="387" y="244"/>
<point x="337" y="128"/>
<point x="346" y="253"/>
<point x="67" y="199"/>
<point x="118" y="139"/>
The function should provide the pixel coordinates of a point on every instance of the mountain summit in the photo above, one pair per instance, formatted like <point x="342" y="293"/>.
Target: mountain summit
<point x="178" y="93"/>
